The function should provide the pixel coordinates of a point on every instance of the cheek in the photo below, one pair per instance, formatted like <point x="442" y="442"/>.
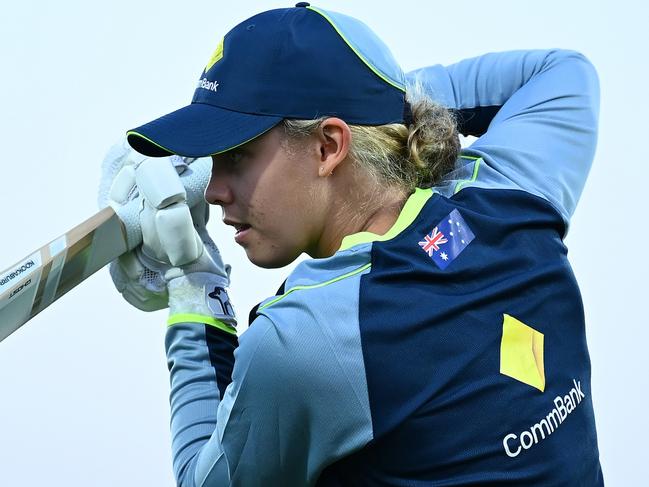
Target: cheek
<point x="283" y="201"/>
<point x="284" y="230"/>
<point x="283" y="223"/>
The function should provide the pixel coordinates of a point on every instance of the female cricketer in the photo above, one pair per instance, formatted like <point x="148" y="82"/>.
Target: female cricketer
<point x="436" y="335"/>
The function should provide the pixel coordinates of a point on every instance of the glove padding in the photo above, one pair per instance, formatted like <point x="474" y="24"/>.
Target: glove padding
<point x="178" y="265"/>
<point x="118" y="174"/>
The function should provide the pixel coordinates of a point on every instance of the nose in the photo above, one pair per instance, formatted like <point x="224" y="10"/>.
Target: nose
<point x="218" y="191"/>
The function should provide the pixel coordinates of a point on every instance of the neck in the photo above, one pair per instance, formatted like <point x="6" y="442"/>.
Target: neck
<point x="362" y="213"/>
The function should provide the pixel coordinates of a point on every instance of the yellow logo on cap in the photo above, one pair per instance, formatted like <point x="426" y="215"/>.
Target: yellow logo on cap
<point x="216" y="57"/>
<point x="521" y="353"/>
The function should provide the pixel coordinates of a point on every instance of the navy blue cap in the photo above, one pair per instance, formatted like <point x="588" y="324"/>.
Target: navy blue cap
<point x="294" y="63"/>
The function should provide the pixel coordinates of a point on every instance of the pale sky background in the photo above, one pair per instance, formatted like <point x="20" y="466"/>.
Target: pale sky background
<point x="84" y="385"/>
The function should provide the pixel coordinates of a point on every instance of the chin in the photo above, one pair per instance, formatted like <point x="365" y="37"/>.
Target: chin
<point x="270" y="261"/>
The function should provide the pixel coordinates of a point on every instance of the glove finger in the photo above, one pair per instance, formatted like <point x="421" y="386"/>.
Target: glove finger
<point x="151" y="246"/>
<point x="145" y="276"/>
<point x="129" y="266"/>
<point x="144" y="300"/>
<point x="167" y="228"/>
<point x="210" y="262"/>
<point x="152" y="275"/>
<point x="177" y="235"/>
<point x="138" y="290"/>
<point x="123" y="188"/>
<point x="159" y="183"/>
<point x="111" y="165"/>
<point x="133" y="157"/>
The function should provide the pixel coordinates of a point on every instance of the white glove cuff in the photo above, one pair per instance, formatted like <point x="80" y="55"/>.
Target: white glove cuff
<point x="202" y="294"/>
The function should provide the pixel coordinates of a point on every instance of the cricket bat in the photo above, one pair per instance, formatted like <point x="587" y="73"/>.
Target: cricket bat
<point x="35" y="282"/>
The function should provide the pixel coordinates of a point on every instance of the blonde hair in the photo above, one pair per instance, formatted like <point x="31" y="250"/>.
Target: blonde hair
<point x="417" y="155"/>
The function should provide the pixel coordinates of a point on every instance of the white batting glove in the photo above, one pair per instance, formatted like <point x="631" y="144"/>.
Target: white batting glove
<point x="178" y="265"/>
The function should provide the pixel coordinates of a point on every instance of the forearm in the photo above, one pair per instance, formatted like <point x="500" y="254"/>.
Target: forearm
<point x="477" y="88"/>
<point x="200" y="359"/>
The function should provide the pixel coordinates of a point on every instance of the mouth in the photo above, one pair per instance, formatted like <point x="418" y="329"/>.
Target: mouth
<point x="241" y="229"/>
<point x="238" y="226"/>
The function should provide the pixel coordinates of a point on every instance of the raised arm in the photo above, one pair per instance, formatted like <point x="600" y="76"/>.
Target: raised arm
<point x="535" y="113"/>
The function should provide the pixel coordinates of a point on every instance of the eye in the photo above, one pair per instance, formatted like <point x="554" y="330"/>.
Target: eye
<point x="232" y="161"/>
<point x="235" y="156"/>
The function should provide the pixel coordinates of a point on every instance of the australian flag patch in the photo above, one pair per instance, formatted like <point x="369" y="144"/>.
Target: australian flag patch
<point x="447" y="240"/>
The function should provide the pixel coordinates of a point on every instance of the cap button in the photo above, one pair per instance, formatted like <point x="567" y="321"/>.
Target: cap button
<point x="302" y="4"/>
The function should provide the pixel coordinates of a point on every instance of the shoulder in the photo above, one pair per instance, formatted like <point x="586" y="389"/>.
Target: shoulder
<point x="319" y="290"/>
<point x="309" y="336"/>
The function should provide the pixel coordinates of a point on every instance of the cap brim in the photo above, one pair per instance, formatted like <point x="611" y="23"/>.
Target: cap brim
<point x="198" y="130"/>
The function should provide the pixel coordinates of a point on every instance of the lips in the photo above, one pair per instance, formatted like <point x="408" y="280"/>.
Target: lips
<point x="240" y="227"/>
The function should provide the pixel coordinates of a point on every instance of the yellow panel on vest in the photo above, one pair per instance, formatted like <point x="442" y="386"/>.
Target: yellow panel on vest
<point x="216" y="56"/>
<point x="521" y="353"/>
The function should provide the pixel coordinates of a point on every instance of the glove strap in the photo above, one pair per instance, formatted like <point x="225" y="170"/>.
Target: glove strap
<point x="201" y="298"/>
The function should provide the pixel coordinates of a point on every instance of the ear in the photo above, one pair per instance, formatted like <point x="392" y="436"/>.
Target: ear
<point x="334" y="138"/>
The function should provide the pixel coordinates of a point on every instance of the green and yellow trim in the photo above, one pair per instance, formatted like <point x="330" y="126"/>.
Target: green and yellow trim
<point x="203" y="319"/>
<point x="360" y="56"/>
<point x="314" y="286"/>
<point x="474" y="176"/>
<point x="410" y="210"/>
<point x="137" y="134"/>
<point x="245" y="141"/>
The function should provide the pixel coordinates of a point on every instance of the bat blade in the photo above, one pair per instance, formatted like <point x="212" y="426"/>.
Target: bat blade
<point x="42" y="277"/>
